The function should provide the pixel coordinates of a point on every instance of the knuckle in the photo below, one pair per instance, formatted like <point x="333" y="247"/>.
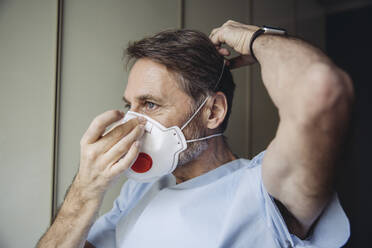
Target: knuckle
<point x="117" y="113"/>
<point x="91" y="154"/>
<point x="106" y="176"/>
<point x="227" y="28"/>
<point x="117" y="133"/>
<point x="97" y="123"/>
<point x="229" y="22"/>
<point x="112" y="112"/>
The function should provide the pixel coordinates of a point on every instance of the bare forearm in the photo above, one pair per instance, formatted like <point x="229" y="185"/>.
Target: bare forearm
<point x="283" y="59"/>
<point x="72" y="224"/>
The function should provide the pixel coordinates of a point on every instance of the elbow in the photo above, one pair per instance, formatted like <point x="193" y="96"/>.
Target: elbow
<point x="330" y="94"/>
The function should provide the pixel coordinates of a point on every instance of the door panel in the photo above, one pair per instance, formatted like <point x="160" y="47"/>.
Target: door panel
<point x="27" y="81"/>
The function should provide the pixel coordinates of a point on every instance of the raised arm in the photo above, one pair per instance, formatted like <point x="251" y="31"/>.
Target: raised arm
<point x="313" y="97"/>
<point x="100" y="165"/>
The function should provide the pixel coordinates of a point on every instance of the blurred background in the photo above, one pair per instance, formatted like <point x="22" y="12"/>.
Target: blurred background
<point x="61" y="65"/>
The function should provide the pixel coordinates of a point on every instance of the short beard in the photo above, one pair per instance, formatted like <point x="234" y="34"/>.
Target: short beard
<point x="194" y="130"/>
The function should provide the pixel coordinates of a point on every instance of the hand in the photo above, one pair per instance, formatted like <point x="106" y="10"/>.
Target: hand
<point x="237" y="36"/>
<point x="101" y="158"/>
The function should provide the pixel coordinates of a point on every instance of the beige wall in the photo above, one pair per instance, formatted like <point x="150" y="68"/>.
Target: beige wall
<point x="27" y="71"/>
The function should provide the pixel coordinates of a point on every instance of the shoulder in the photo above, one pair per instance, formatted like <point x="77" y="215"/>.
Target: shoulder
<point x="252" y="168"/>
<point x="253" y="163"/>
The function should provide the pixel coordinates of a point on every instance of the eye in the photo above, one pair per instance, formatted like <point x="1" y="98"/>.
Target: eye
<point x="150" y="105"/>
<point x="127" y="106"/>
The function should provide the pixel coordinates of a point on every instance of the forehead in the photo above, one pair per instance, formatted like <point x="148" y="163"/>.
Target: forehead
<point x="151" y="78"/>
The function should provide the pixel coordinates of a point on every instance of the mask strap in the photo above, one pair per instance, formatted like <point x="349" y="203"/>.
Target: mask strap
<point x="204" y="138"/>
<point x="196" y="112"/>
<point x="205" y="100"/>
<point x="219" y="78"/>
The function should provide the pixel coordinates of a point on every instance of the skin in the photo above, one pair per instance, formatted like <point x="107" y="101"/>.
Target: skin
<point x="298" y="164"/>
<point x="314" y="99"/>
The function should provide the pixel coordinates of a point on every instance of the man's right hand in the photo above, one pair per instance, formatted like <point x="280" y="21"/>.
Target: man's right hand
<point x="103" y="158"/>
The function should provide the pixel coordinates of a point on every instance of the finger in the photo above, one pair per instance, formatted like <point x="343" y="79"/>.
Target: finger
<point x="224" y="51"/>
<point x="217" y="37"/>
<point x="122" y="147"/>
<point x="111" y="138"/>
<point x="99" y="125"/>
<point x="240" y="61"/>
<point x="125" y="162"/>
<point x="240" y="25"/>
<point x="213" y="32"/>
<point x="232" y="22"/>
<point x="214" y="36"/>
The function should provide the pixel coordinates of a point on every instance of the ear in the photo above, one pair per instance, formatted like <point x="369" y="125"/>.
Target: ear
<point x="216" y="111"/>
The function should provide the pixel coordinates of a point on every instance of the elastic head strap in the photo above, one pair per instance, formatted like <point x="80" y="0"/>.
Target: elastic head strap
<point x="204" y="138"/>
<point x="219" y="78"/>
<point x="195" y="113"/>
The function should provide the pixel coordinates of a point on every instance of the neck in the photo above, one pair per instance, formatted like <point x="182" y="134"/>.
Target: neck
<point x="217" y="154"/>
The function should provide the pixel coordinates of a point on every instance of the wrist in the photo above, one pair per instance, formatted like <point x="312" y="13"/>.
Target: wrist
<point x="77" y="200"/>
<point x="264" y="31"/>
<point x="258" y="46"/>
<point x="86" y="193"/>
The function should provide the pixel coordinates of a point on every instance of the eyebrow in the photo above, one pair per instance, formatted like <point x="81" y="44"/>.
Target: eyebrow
<point x="145" y="97"/>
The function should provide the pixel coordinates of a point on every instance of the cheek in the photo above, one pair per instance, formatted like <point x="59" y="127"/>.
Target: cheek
<point x="169" y="118"/>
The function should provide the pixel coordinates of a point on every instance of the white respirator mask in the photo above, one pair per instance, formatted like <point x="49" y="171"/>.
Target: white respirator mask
<point x="160" y="147"/>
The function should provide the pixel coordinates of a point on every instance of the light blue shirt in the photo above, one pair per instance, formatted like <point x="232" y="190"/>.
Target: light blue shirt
<point x="225" y="207"/>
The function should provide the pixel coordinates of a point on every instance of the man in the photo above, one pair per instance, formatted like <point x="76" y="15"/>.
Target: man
<point x="282" y="198"/>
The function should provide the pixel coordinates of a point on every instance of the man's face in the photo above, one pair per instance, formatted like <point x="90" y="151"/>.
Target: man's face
<point x="152" y="90"/>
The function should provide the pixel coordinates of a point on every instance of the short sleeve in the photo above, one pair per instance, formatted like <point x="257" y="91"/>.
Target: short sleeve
<point x="102" y="233"/>
<point x="332" y="229"/>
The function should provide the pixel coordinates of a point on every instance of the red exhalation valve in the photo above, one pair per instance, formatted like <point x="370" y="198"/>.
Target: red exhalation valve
<point x="143" y="163"/>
